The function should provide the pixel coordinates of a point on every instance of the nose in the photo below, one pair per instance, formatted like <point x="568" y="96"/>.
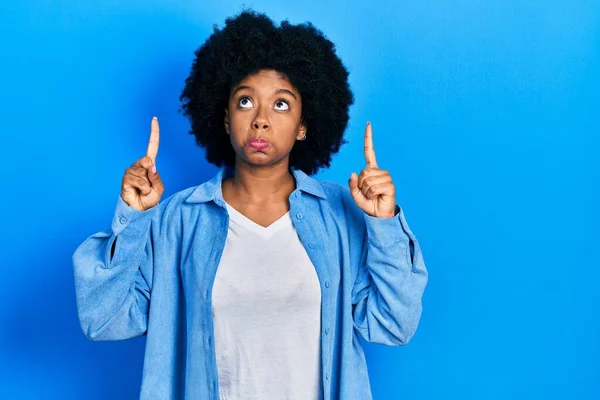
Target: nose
<point x="260" y="121"/>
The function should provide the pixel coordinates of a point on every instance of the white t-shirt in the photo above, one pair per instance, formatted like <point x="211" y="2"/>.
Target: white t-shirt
<point x="267" y="330"/>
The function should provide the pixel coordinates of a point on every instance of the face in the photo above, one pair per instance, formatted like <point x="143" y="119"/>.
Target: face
<point x="263" y="118"/>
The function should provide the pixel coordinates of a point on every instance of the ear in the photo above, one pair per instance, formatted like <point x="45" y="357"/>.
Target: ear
<point x="301" y="131"/>
<point x="226" y="121"/>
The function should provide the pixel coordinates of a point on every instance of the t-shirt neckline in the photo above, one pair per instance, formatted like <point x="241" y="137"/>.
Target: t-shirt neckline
<point x="247" y="223"/>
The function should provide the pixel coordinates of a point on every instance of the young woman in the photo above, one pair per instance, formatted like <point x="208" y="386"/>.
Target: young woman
<point x="258" y="283"/>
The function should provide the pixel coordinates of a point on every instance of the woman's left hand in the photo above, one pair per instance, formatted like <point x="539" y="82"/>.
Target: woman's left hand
<point x="373" y="190"/>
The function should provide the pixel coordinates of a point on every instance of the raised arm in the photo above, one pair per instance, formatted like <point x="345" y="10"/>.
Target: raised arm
<point x="391" y="274"/>
<point x="113" y="268"/>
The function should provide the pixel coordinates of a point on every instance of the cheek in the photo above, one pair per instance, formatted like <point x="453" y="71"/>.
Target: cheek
<point x="241" y="116"/>
<point x="236" y="121"/>
<point x="289" y="120"/>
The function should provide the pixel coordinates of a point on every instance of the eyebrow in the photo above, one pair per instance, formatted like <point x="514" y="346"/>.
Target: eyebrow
<point x="285" y="91"/>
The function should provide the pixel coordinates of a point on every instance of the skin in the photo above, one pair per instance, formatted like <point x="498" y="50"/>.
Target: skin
<point x="373" y="189"/>
<point x="142" y="187"/>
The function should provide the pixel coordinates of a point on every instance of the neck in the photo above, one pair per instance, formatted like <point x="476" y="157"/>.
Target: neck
<point x="262" y="183"/>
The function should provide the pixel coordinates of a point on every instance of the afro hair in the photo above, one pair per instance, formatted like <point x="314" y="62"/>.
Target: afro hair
<point x="248" y="43"/>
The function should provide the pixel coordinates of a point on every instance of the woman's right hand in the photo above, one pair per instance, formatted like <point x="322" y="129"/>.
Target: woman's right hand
<point x="142" y="187"/>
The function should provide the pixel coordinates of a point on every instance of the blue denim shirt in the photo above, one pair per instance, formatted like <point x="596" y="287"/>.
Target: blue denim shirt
<point x="158" y="283"/>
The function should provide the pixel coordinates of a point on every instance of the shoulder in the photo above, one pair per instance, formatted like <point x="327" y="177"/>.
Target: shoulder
<point x="334" y="191"/>
<point x="176" y="199"/>
<point x="172" y="209"/>
<point x="340" y="200"/>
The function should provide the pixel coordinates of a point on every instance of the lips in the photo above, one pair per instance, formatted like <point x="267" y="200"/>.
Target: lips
<point x="258" y="143"/>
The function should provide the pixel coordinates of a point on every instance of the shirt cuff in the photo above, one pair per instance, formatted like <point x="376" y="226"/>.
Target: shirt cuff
<point x="385" y="232"/>
<point x="127" y="217"/>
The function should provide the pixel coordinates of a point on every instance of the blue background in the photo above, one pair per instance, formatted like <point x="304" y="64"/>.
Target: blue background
<point x="485" y="113"/>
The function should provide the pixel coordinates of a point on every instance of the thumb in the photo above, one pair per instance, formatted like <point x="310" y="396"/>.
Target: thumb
<point x="353" y="183"/>
<point x="153" y="175"/>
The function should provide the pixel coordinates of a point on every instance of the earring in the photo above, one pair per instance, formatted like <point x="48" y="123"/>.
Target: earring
<point x="303" y="137"/>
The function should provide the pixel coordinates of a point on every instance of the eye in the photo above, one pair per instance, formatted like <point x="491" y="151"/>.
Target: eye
<point x="281" y="105"/>
<point x="244" y="102"/>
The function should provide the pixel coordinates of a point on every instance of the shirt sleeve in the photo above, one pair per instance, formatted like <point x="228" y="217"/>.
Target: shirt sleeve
<point x="113" y="291"/>
<point x="391" y="278"/>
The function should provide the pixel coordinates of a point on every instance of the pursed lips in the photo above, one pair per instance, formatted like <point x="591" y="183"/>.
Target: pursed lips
<point x="258" y="144"/>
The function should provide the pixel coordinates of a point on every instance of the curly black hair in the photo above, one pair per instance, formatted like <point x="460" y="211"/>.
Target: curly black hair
<point x="248" y="43"/>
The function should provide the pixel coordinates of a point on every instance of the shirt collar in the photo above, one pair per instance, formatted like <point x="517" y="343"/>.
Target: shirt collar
<point x="211" y="190"/>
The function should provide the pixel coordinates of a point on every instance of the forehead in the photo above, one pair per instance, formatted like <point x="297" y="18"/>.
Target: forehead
<point x="266" y="79"/>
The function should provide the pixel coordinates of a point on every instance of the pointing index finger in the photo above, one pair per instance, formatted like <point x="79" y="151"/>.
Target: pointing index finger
<point x="369" y="150"/>
<point x="154" y="139"/>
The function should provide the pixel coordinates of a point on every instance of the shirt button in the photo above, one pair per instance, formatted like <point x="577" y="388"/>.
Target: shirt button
<point x="299" y="215"/>
<point x="326" y="283"/>
<point x="327" y="330"/>
<point x="311" y="245"/>
<point x="327" y="376"/>
<point x="122" y="220"/>
<point x="298" y="193"/>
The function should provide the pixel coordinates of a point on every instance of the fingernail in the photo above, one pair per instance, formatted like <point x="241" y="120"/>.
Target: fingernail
<point x="368" y="122"/>
<point x="154" y="169"/>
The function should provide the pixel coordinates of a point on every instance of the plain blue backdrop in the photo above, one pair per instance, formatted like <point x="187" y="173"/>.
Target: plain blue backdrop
<point x="486" y="114"/>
